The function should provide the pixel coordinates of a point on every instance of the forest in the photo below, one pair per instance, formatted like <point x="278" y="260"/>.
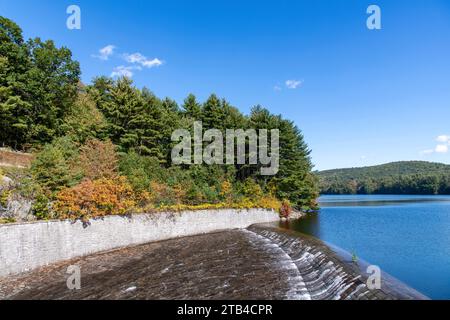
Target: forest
<point x="105" y="147"/>
<point x="407" y="177"/>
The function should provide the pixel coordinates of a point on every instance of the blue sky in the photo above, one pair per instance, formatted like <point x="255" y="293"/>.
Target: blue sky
<point x="361" y="97"/>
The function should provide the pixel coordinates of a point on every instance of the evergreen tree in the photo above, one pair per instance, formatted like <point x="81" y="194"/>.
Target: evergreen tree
<point x="192" y="108"/>
<point x="212" y="115"/>
<point x="295" y="180"/>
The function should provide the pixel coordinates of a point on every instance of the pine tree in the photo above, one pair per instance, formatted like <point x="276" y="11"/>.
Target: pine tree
<point x="213" y="115"/>
<point x="294" y="180"/>
<point x="192" y="108"/>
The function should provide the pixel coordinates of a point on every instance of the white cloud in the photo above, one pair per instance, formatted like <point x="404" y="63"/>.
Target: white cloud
<point x="277" y="88"/>
<point x="142" y="60"/>
<point x="428" y="151"/>
<point x="122" y="71"/>
<point x="441" y="148"/>
<point x="443" y="138"/>
<point x="293" y="84"/>
<point x="105" y="53"/>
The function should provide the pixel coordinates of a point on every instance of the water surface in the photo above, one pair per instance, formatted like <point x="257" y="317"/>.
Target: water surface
<point x="407" y="236"/>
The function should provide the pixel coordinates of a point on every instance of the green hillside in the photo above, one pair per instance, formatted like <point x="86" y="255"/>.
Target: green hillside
<point x="407" y="177"/>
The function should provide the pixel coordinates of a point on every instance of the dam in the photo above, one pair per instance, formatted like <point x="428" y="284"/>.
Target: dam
<point x="261" y="261"/>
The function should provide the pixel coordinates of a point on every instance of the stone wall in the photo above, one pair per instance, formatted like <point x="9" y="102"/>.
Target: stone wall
<point x="15" y="159"/>
<point x="24" y="247"/>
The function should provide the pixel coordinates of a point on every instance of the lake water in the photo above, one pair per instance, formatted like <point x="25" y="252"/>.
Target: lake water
<point x="407" y="236"/>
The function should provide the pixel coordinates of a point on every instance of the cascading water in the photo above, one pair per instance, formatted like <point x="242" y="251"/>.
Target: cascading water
<point x="320" y="275"/>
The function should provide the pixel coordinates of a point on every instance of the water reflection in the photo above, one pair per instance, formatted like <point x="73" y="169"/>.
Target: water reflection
<point x="307" y="225"/>
<point x="376" y="200"/>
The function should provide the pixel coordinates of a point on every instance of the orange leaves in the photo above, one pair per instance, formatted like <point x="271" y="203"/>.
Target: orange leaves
<point x="162" y="194"/>
<point x="104" y="197"/>
<point x="91" y="199"/>
<point x="286" y="209"/>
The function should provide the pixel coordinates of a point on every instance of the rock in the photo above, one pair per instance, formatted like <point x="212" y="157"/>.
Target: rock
<point x="15" y="207"/>
<point x="5" y="181"/>
<point x="20" y="209"/>
<point x="295" y="215"/>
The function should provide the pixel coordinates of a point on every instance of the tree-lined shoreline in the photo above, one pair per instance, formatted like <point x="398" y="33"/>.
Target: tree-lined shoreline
<point x="405" y="177"/>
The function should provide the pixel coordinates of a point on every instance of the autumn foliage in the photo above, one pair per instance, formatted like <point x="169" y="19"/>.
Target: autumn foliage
<point x="97" y="198"/>
<point x="286" y="209"/>
<point x="98" y="159"/>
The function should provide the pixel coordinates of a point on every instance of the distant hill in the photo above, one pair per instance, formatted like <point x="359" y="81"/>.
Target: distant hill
<point x="406" y="177"/>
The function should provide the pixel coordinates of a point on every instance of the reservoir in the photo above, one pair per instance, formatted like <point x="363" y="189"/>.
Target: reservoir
<point x="406" y="236"/>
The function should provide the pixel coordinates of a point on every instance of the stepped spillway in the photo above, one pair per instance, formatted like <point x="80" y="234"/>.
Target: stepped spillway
<point x="261" y="262"/>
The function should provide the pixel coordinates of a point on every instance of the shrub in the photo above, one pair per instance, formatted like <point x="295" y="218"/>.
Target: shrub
<point x="27" y="187"/>
<point x="226" y="191"/>
<point x="269" y="202"/>
<point x="161" y="194"/>
<point x="245" y="203"/>
<point x="4" y="197"/>
<point x="54" y="167"/>
<point x="140" y="170"/>
<point x="210" y="193"/>
<point x="42" y="208"/>
<point x="98" y="160"/>
<point x="92" y="199"/>
<point x="252" y="189"/>
<point x="7" y="220"/>
<point x="51" y="169"/>
<point x="194" y="195"/>
<point x="286" y="209"/>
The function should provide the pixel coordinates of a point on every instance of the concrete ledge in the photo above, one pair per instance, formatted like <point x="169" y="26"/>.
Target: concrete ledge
<point x="24" y="247"/>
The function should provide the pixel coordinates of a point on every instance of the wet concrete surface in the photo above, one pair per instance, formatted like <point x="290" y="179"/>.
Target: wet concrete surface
<point x="226" y="265"/>
<point x="259" y="263"/>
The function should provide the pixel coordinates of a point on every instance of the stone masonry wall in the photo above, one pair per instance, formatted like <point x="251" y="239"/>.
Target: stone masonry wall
<point x="24" y="247"/>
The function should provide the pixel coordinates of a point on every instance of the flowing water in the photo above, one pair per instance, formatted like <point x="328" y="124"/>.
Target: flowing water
<point x="407" y="236"/>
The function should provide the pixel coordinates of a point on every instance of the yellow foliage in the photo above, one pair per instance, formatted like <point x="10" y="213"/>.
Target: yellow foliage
<point x="269" y="202"/>
<point x="98" y="198"/>
<point x="226" y="190"/>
